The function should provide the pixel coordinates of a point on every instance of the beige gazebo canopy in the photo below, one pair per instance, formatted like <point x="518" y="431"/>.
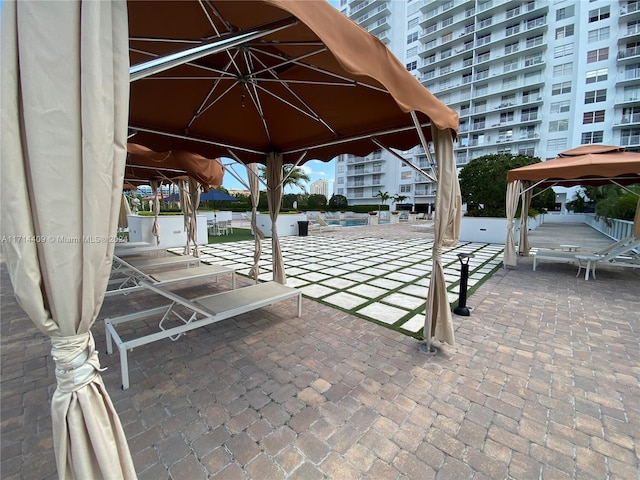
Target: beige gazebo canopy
<point x="268" y="81"/>
<point x="586" y="165"/>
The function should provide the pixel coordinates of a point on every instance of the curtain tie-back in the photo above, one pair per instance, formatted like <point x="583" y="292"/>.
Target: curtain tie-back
<point x="436" y="252"/>
<point x="76" y="359"/>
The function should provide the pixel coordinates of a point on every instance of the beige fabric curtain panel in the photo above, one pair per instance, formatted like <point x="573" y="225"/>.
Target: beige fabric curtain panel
<point x="438" y="321"/>
<point x="523" y="244"/>
<point x="513" y="197"/>
<point x="274" y="198"/>
<point x="189" y="200"/>
<point x="65" y="87"/>
<point x="254" y="188"/>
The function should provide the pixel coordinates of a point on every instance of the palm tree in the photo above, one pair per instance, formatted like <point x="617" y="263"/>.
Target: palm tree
<point x="384" y="197"/>
<point x="397" y="198"/>
<point x="293" y="176"/>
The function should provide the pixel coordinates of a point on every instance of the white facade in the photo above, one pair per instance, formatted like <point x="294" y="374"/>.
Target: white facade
<point x="320" y="187"/>
<point x="534" y="78"/>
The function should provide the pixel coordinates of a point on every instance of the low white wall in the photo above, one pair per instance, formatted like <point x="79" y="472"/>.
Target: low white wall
<point x="172" y="232"/>
<point x="287" y="224"/>
<point x="485" y="229"/>
<point x="564" y="217"/>
<point x="218" y="215"/>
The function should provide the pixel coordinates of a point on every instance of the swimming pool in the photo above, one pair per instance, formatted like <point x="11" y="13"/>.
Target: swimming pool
<point x="351" y="222"/>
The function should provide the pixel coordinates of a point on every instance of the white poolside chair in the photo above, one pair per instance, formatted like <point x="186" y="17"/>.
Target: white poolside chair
<point x="183" y="315"/>
<point x="127" y="277"/>
<point x="619" y="253"/>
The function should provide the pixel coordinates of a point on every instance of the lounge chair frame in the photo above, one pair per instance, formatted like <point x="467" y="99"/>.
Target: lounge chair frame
<point x="192" y="314"/>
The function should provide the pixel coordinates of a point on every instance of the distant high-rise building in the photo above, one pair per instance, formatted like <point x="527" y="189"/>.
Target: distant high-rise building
<point x="320" y="187"/>
<point x="526" y="77"/>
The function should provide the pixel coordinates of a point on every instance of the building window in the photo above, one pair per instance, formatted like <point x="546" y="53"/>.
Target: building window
<point x="482" y="57"/>
<point x="558" y="126"/>
<point x="509" y="82"/>
<point x="413" y="22"/>
<point x="598" y="34"/>
<point x="630" y="114"/>
<point x="536" y="22"/>
<point x="531" y="95"/>
<point x="530" y="60"/>
<point x="595" y="96"/>
<point x="430" y="59"/>
<point x="512" y="30"/>
<point x="412" y="65"/>
<point x="563" y="50"/>
<point x="557" y="144"/>
<point x="631" y="93"/>
<point x="563" y="69"/>
<point x="506" y="117"/>
<point x="631" y="72"/>
<point x="513" y="12"/>
<point x="529" y="114"/>
<point x="592" y="137"/>
<point x="526" y="149"/>
<point x="446" y="22"/>
<point x="533" y="41"/>
<point x="446" y="38"/>
<point x="564" y="13"/>
<point x="633" y="27"/>
<point x="560" y="88"/>
<point x="505" y="135"/>
<point x="483" y="40"/>
<point x="597" y="75"/>
<point x="412" y="51"/>
<point x="564" y="32"/>
<point x="405" y="188"/>
<point x="593" y="117"/>
<point x="598" y="55"/>
<point x="560" y="107"/>
<point x="511" y="48"/>
<point x="629" y="136"/>
<point x="406" y="175"/>
<point x="601" y="13"/>
<point x="445" y="53"/>
<point x="340" y="169"/>
<point x="510" y="65"/>
<point x="412" y="37"/>
<point x="527" y="132"/>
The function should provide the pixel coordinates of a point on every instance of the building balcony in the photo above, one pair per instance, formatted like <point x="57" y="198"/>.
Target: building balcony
<point x="369" y="11"/>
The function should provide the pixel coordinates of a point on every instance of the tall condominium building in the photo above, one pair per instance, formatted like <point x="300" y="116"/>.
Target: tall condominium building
<point x="531" y="77"/>
<point x="320" y="187"/>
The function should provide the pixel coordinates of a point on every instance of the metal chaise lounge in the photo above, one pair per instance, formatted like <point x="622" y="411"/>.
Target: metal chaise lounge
<point x="608" y="254"/>
<point x="183" y="315"/>
<point x="128" y="276"/>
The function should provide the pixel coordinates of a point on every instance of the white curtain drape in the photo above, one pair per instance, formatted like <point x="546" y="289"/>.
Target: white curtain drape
<point x="513" y="197"/>
<point x="65" y="87"/>
<point x="523" y="244"/>
<point x="156" y="189"/>
<point x="189" y="200"/>
<point x="438" y="321"/>
<point x="254" y="188"/>
<point x="274" y="198"/>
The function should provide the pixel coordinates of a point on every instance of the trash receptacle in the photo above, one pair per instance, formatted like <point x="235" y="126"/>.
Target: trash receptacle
<point x="303" y="228"/>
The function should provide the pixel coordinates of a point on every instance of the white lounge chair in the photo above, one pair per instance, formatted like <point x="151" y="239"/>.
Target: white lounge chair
<point x="588" y="260"/>
<point x="622" y="255"/>
<point x="127" y="277"/>
<point x="183" y="315"/>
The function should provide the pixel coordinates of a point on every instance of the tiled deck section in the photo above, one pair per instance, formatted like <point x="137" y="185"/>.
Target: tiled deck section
<point x="543" y="383"/>
<point x="386" y="283"/>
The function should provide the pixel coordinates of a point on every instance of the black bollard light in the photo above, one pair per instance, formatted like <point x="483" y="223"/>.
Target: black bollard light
<point x="462" y="309"/>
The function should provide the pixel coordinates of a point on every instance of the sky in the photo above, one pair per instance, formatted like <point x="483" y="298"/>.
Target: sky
<point x="316" y="170"/>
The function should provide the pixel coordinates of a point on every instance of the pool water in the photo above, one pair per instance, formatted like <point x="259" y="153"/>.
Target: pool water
<point x="353" y="222"/>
